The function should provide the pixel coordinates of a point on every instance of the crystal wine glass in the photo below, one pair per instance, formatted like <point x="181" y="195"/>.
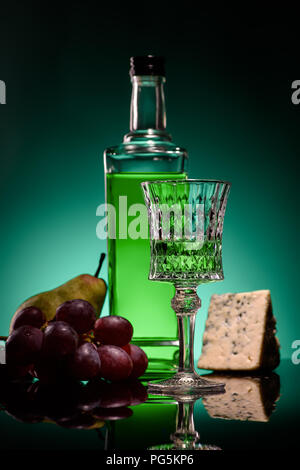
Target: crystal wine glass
<point x="186" y="226"/>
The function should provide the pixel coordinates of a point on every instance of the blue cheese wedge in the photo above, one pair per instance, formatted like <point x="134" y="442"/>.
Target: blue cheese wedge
<point x="240" y="333"/>
<point x="245" y="398"/>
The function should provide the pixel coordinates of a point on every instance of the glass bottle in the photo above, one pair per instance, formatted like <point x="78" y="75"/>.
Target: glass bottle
<point x="146" y="153"/>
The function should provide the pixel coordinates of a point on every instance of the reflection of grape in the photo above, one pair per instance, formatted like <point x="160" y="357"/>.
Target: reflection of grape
<point x="89" y="395"/>
<point x="32" y="316"/>
<point x="57" y="401"/>
<point x="139" y="360"/>
<point x="78" y="421"/>
<point x="70" y="404"/>
<point x="138" y="392"/>
<point x="60" y="339"/>
<point x="16" y="371"/>
<point x="23" y="413"/>
<point x="23" y="345"/>
<point x="79" y="313"/>
<point x="50" y="371"/>
<point x="113" y="330"/>
<point x="115" y="395"/>
<point x="115" y="363"/>
<point x="86" y="362"/>
<point x="112" y="414"/>
<point x="18" y="403"/>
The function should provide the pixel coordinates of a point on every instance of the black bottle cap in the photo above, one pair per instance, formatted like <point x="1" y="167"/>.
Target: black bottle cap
<point x="147" y="65"/>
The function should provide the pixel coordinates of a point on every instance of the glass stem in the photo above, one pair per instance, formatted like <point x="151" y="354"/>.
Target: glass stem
<point x="185" y="435"/>
<point x="186" y="303"/>
<point x="185" y="418"/>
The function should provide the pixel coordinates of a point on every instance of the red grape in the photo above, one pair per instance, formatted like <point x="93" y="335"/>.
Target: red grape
<point x="85" y="363"/>
<point x="113" y="330"/>
<point x="23" y="345"/>
<point x="32" y="316"/>
<point x="139" y="360"/>
<point x="60" y="339"/>
<point x="79" y="313"/>
<point x="115" y="363"/>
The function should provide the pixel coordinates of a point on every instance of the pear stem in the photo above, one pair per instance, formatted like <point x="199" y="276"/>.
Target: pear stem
<point x="102" y="257"/>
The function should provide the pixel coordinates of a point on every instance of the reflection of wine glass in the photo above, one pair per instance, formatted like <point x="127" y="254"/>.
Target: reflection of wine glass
<point x="186" y="226"/>
<point x="185" y="436"/>
<point x="248" y="396"/>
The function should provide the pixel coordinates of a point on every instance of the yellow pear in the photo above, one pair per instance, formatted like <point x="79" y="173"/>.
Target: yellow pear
<point x="84" y="286"/>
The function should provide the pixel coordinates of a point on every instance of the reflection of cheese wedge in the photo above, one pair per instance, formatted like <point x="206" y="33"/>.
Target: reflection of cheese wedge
<point x="240" y="333"/>
<point x="245" y="398"/>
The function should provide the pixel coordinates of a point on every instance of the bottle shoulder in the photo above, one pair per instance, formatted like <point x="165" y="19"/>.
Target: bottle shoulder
<point x="145" y="149"/>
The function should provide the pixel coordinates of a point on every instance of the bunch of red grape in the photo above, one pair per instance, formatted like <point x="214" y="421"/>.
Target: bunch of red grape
<point x="74" y="345"/>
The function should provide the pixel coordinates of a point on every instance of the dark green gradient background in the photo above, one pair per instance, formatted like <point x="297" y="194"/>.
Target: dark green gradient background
<point x="228" y="101"/>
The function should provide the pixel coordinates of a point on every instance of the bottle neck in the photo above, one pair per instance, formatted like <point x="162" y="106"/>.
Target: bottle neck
<point x="147" y="108"/>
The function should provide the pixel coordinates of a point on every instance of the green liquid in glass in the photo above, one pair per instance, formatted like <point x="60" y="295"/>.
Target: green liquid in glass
<point x="184" y="259"/>
<point x="146" y="304"/>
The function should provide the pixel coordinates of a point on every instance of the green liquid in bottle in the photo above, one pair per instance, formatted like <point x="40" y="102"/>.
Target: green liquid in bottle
<point x="146" y="304"/>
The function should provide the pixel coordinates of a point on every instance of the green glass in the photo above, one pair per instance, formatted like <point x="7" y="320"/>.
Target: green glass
<point x="186" y="228"/>
<point x="146" y="153"/>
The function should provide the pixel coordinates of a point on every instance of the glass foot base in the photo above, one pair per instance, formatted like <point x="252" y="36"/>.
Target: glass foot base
<point x="187" y="447"/>
<point x="187" y="384"/>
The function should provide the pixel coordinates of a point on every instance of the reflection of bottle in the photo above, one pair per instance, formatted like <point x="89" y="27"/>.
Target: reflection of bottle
<point x="147" y="153"/>
<point x="151" y="422"/>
